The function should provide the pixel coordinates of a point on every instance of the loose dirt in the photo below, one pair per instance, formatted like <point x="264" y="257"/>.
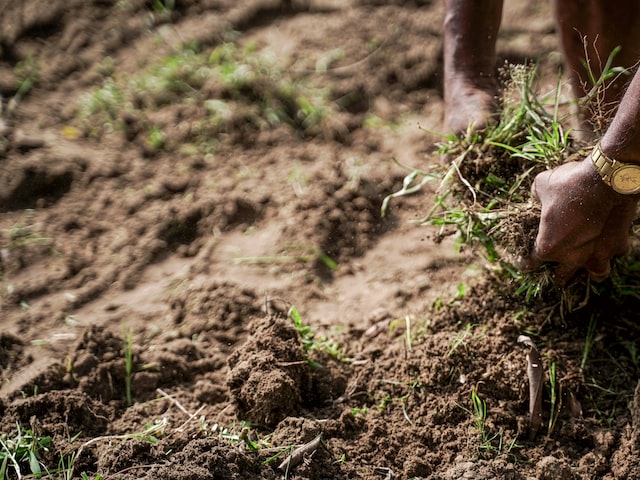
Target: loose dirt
<point x="198" y="255"/>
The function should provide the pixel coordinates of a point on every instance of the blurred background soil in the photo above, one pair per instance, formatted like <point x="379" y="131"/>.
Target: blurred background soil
<point x="180" y="174"/>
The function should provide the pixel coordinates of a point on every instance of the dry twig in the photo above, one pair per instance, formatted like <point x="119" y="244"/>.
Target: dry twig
<point x="535" y="373"/>
<point x="297" y="456"/>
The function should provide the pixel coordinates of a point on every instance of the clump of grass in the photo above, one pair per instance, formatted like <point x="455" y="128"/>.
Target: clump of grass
<point x="22" y="236"/>
<point x="588" y="341"/>
<point x="484" y="192"/>
<point x="21" y="452"/>
<point x="460" y="339"/>
<point x="27" y="72"/>
<point x="491" y="443"/>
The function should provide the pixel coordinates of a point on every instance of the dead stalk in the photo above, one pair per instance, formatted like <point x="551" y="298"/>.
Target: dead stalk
<point x="535" y="374"/>
<point x="297" y="456"/>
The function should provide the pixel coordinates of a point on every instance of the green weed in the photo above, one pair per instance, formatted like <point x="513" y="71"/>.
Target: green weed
<point x="483" y="196"/>
<point x="490" y="443"/>
<point x="246" y="435"/>
<point x="27" y="72"/>
<point x="460" y="339"/>
<point x="151" y="434"/>
<point x="479" y="409"/>
<point x="21" y="452"/>
<point x="311" y="342"/>
<point x="356" y="411"/>
<point x="484" y="193"/>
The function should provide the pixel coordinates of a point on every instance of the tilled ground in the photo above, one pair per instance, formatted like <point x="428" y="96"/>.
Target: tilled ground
<point x="194" y="237"/>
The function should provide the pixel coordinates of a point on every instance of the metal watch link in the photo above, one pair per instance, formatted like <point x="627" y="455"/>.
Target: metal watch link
<point x="622" y="177"/>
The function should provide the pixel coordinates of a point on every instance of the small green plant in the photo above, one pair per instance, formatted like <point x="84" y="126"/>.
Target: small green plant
<point x="127" y="335"/>
<point x="246" y="435"/>
<point x="21" y="452"/>
<point x="151" y="433"/>
<point x="84" y="476"/>
<point x="357" y="411"/>
<point x="596" y="85"/>
<point x="23" y="236"/>
<point x="163" y="6"/>
<point x="588" y="341"/>
<point x="479" y="409"/>
<point x="460" y="339"/>
<point x="312" y="343"/>
<point x="156" y="138"/>
<point x="27" y="71"/>
<point x="489" y="443"/>
<point x="99" y="110"/>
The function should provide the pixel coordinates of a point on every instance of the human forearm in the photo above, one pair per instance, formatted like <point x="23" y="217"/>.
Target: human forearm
<point x="622" y="139"/>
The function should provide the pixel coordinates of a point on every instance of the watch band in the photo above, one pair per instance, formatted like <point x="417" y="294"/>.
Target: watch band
<point x="603" y="164"/>
<point x="622" y="177"/>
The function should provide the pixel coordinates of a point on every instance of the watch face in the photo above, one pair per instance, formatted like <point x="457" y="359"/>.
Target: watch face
<point x="626" y="179"/>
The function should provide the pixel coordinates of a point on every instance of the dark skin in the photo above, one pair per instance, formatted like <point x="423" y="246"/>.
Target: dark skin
<point x="584" y="222"/>
<point x="470" y="32"/>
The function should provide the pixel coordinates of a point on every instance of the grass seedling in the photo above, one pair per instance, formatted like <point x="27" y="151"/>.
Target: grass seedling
<point x="594" y="99"/>
<point x="588" y="342"/>
<point x="311" y="343"/>
<point x="411" y="184"/>
<point x="27" y="72"/>
<point x="127" y="335"/>
<point x="479" y="410"/>
<point x="23" y="236"/>
<point x="460" y="339"/>
<point x="490" y="443"/>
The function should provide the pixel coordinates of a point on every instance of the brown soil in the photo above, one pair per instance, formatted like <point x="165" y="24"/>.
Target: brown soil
<point x="201" y="256"/>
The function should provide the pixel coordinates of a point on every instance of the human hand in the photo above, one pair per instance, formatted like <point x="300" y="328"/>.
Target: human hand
<point x="584" y="223"/>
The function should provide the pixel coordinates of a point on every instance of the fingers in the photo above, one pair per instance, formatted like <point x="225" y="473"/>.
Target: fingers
<point x="540" y="184"/>
<point x="530" y="263"/>
<point x="598" y="268"/>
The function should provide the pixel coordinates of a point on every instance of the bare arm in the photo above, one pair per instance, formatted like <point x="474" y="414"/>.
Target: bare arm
<point x="584" y="222"/>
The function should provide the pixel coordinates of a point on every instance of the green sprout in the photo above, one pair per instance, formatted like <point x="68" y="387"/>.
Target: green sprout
<point x="310" y="342"/>
<point x="127" y="336"/>
<point x="588" y="342"/>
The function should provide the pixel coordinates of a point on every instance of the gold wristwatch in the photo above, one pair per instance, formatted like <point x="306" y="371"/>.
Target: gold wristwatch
<point x="623" y="177"/>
